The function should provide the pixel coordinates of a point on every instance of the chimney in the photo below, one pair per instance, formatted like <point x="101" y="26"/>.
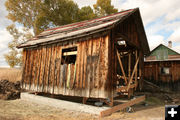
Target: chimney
<point x="170" y="44"/>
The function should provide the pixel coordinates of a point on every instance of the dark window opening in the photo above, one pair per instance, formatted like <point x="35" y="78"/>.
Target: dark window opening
<point x="69" y="55"/>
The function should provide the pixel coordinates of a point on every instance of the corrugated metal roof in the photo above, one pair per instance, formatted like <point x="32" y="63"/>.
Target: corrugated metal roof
<point x="77" y="29"/>
<point x="86" y="24"/>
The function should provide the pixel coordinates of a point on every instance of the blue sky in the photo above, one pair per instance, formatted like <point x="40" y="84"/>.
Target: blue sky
<point x="161" y="19"/>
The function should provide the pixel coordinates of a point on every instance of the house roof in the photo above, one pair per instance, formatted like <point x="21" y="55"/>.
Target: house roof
<point x="85" y="28"/>
<point x="165" y="47"/>
<point x="171" y="55"/>
<point x="162" y="60"/>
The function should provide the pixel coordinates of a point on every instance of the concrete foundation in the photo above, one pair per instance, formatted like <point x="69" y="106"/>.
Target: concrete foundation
<point x="62" y="104"/>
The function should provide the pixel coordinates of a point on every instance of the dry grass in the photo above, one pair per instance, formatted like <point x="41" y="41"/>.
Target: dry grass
<point x="11" y="74"/>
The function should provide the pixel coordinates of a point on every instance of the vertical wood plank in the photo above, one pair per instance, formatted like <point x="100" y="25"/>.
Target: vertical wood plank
<point x="39" y="70"/>
<point x="35" y="70"/>
<point x="49" y="68"/>
<point x="129" y="65"/>
<point x="88" y="70"/>
<point x="85" y="64"/>
<point x="94" y="69"/>
<point x="44" y="67"/>
<point x="136" y="82"/>
<point x="54" y="68"/>
<point x="24" y="67"/>
<point x="81" y="67"/>
<point x="102" y="67"/>
<point x="59" y="55"/>
<point x="106" y="63"/>
<point x="31" y="68"/>
<point x="77" y="65"/>
<point x="27" y="70"/>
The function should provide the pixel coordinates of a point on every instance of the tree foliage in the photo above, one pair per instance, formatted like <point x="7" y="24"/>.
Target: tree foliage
<point x="25" y="12"/>
<point x="13" y="57"/>
<point x="104" y="7"/>
<point x="86" y="13"/>
<point x="61" y="12"/>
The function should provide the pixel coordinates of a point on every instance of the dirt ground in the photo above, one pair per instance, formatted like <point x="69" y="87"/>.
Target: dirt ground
<point x="24" y="110"/>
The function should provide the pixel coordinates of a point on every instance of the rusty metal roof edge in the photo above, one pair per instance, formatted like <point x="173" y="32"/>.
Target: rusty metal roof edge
<point x="88" y="20"/>
<point x="66" y="39"/>
<point x="70" y="37"/>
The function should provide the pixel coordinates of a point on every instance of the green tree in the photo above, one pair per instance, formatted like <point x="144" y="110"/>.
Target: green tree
<point x="42" y="14"/>
<point x="104" y="7"/>
<point x="25" y="12"/>
<point x="86" y="13"/>
<point x="60" y="12"/>
<point x="14" y="57"/>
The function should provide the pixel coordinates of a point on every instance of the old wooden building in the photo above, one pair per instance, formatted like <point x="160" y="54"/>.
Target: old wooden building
<point x="162" y="67"/>
<point x="91" y="59"/>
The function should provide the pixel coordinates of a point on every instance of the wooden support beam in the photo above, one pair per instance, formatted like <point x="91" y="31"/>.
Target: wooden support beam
<point x="70" y="53"/>
<point x="107" y="102"/>
<point x="120" y="62"/>
<point x="136" y="70"/>
<point x="141" y="68"/>
<point x="85" y="100"/>
<point x="121" y="106"/>
<point x="112" y="101"/>
<point x="129" y="66"/>
<point x="130" y="92"/>
<point x="130" y="80"/>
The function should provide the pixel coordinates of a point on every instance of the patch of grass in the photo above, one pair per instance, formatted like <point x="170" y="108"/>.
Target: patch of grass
<point x="11" y="74"/>
<point x="154" y="101"/>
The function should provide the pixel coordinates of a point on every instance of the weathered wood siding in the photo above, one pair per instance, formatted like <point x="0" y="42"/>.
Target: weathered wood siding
<point x="43" y="71"/>
<point x="169" y="81"/>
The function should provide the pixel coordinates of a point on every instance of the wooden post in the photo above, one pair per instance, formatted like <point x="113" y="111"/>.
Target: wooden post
<point x="43" y="75"/>
<point x="129" y="66"/>
<point x="136" y="83"/>
<point x="130" y="80"/>
<point x="85" y="100"/>
<point x="108" y="103"/>
<point x="112" y="102"/>
<point x="130" y="92"/>
<point x="140" y="69"/>
<point x="120" y="62"/>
